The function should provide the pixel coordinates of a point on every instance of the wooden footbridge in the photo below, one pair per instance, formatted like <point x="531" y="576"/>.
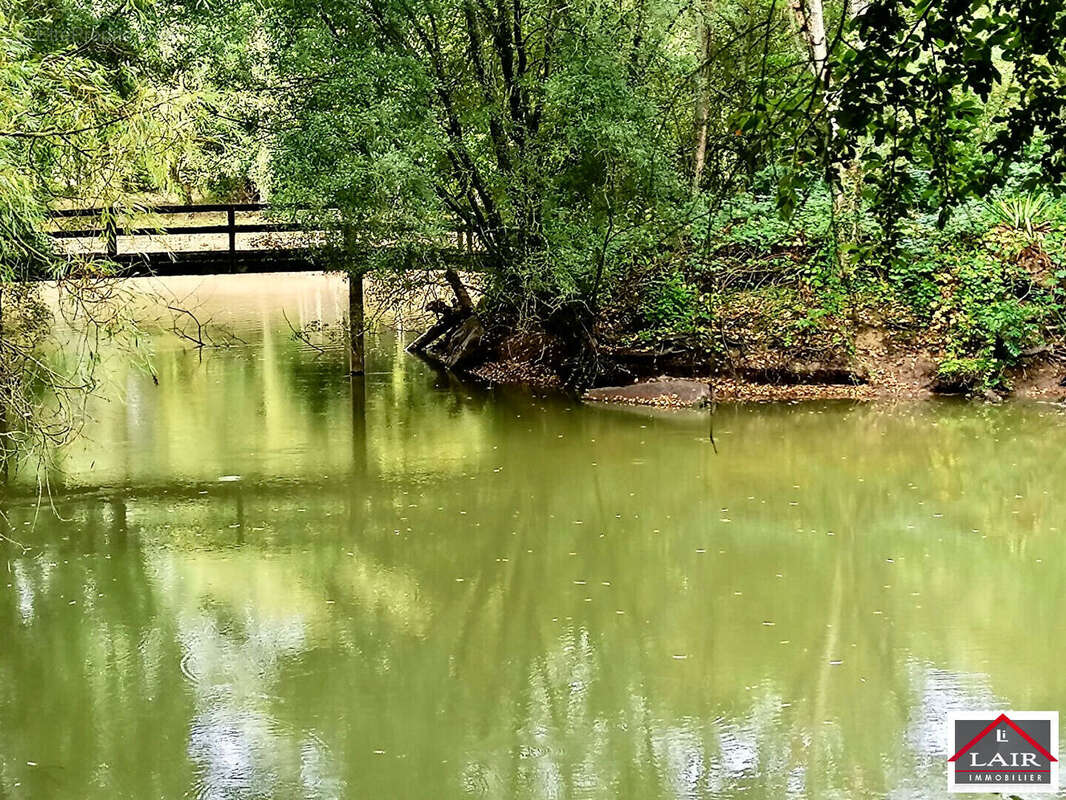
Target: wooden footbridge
<point x="141" y="250"/>
<point x="172" y="240"/>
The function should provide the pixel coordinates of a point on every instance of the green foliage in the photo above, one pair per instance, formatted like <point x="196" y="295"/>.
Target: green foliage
<point x="1027" y="214"/>
<point x="595" y="151"/>
<point x="967" y="374"/>
<point x="81" y="123"/>
<point x="671" y="305"/>
<point x="919" y="106"/>
<point x="989" y="312"/>
<point x="979" y="288"/>
<point x="754" y="222"/>
<point x="536" y="126"/>
<point x="81" y="120"/>
<point x="958" y="90"/>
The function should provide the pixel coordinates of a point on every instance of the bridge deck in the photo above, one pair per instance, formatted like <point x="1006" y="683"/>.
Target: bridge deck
<point x="216" y="262"/>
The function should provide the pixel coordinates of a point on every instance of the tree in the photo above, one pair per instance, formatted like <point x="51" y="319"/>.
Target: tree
<point x="79" y="124"/>
<point x="961" y="89"/>
<point x="534" y="125"/>
<point x="935" y="100"/>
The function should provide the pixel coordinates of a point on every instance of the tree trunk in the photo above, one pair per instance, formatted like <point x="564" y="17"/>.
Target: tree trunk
<point x="462" y="297"/>
<point x="811" y="22"/>
<point x="851" y="174"/>
<point x="810" y="19"/>
<point x="845" y="181"/>
<point x="448" y="319"/>
<point x="703" y="100"/>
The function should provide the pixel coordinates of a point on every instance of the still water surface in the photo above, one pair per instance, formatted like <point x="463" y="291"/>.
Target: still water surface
<point x="261" y="579"/>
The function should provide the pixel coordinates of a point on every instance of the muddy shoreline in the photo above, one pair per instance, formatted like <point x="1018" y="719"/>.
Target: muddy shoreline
<point x="875" y="362"/>
<point x="904" y="378"/>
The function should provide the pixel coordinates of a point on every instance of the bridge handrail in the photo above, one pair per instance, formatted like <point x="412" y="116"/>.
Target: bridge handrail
<point x="60" y="213"/>
<point x="256" y="227"/>
<point x="111" y="230"/>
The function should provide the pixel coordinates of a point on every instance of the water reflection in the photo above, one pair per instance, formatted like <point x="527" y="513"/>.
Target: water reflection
<point x="404" y="587"/>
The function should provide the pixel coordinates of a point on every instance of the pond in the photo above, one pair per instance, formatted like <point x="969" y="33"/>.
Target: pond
<point x="260" y="578"/>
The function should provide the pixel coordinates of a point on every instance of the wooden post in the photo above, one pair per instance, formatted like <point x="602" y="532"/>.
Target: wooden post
<point x="356" y="322"/>
<point x="240" y="512"/>
<point x="359" y="454"/>
<point x="119" y="522"/>
<point x="111" y="236"/>
<point x="231" y="223"/>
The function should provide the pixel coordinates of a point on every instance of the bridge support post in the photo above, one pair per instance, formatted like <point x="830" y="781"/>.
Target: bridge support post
<point x="119" y="521"/>
<point x="359" y="454"/>
<point x="356" y="322"/>
<point x="231" y="225"/>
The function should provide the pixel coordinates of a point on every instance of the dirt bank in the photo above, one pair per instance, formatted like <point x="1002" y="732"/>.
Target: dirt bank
<point x="879" y="369"/>
<point x="756" y="355"/>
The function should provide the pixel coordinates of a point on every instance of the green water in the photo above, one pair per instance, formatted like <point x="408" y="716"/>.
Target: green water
<point x="262" y="580"/>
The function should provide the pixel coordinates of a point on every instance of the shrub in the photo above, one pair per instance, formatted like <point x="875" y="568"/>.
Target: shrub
<point x="671" y="304"/>
<point x="968" y="374"/>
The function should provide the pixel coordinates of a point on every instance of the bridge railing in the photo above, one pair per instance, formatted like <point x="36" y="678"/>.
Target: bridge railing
<point x="110" y="229"/>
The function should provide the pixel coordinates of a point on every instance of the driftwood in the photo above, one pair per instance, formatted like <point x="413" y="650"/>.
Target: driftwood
<point x="466" y="346"/>
<point x="448" y="317"/>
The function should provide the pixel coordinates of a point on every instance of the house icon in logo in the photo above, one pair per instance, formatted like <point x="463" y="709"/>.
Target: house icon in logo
<point x="999" y="751"/>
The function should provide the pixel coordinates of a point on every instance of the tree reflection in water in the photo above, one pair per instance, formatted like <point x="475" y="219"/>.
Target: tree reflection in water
<point x="413" y="588"/>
